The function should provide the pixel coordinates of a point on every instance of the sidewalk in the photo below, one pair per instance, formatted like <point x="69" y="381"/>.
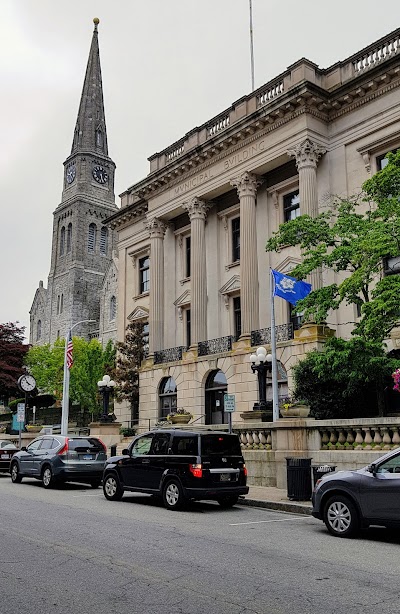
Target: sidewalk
<point x="274" y="499"/>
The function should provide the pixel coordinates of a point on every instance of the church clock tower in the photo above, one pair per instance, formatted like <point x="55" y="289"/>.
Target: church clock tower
<point x="82" y="245"/>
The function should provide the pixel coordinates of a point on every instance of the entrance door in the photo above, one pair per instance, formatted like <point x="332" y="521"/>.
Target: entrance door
<point x="216" y="387"/>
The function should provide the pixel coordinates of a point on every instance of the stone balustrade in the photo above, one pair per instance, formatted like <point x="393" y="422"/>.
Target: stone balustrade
<point x="219" y="123"/>
<point x="375" y="437"/>
<point x="254" y="439"/>
<point x="377" y="53"/>
<point x="270" y="92"/>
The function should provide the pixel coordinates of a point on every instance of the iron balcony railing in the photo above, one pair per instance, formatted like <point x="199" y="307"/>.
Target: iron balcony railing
<point x="215" y="346"/>
<point x="283" y="332"/>
<point x="169" y="355"/>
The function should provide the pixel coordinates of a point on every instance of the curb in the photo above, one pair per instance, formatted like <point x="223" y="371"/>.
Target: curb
<point x="282" y="506"/>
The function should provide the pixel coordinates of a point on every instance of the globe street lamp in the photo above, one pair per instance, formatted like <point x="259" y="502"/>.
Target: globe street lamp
<point x="106" y="387"/>
<point x="261" y="363"/>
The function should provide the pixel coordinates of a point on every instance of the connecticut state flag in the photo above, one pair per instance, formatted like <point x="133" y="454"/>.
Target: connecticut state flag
<point x="289" y="288"/>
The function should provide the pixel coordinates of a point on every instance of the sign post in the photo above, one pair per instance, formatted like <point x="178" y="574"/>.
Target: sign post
<point x="229" y="407"/>
<point x="20" y="420"/>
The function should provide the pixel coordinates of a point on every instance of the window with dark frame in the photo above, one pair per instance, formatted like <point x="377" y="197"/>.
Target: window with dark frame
<point x="381" y="161"/>
<point x="144" y="275"/>
<point x="62" y="241"/>
<point x="291" y="206"/>
<point x="187" y="256"/>
<point x="295" y="318"/>
<point x="237" y="315"/>
<point x="188" y="335"/>
<point x="236" y="239"/>
<point x="92" y="238"/>
<point x="69" y="237"/>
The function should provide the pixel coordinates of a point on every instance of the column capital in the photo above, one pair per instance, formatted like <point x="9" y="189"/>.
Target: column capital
<point x="197" y="208"/>
<point x="246" y="184"/>
<point x="156" y="228"/>
<point x="306" y="153"/>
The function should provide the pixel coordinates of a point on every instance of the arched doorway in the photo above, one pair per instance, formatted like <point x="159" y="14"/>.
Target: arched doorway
<point x="216" y="387"/>
<point x="167" y="396"/>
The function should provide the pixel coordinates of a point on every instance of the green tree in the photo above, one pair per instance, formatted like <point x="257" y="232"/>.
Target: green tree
<point x="46" y="364"/>
<point x="129" y="357"/>
<point x="12" y="354"/>
<point x="352" y="238"/>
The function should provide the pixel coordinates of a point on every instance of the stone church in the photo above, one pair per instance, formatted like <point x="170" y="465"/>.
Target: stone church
<point x="82" y="282"/>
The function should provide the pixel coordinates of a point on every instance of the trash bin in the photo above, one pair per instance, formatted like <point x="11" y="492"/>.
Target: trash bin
<point x="299" y="479"/>
<point x="320" y="470"/>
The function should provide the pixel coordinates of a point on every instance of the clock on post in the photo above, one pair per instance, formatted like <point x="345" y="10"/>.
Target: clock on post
<point x="26" y="383"/>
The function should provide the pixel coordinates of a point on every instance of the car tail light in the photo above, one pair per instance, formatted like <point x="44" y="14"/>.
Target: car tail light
<point x="245" y="470"/>
<point x="196" y="470"/>
<point x="104" y="445"/>
<point x="64" y="449"/>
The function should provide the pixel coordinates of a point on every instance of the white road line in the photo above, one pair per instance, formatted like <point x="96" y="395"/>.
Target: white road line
<point x="237" y="524"/>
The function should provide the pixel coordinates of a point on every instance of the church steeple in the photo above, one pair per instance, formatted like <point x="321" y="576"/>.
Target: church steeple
<point x="90" y="131"/>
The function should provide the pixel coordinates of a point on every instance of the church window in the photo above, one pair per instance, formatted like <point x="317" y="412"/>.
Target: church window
<point x="39" y="330"/>
<point x="62" y="241"/>
<point x="291" y="206"/>
<point x="69" y="237"/>
<point x="58" y="304"/>
<point x="92" y="238"/>
<point x="113" y="308"/>
<point x="103" y="240"/>
<point x="99" y="138"/>
<point x="144" y="274"/>
<point x="62" y="303"/>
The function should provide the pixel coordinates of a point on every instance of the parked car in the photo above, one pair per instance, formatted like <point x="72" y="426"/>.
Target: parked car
<point x="7" y="450"/>
<point x="179" y="465"/>
<point x="54" y="458"/>
<point x="349" y="500"/>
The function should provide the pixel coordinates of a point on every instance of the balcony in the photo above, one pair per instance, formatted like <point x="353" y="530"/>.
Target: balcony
<point x="215" y="346"/>
<point x="283" y="332"/>
<point x="169" y="355"/>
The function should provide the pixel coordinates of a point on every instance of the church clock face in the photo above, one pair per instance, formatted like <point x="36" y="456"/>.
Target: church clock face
<point x="100" y="174"/>
<point x="71" y="173"/>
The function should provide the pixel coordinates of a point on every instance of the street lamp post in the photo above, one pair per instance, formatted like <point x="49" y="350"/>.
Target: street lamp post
<point x="106" y="387"/>
<point x="261" y="363"/>
<point x="65" y="399"/>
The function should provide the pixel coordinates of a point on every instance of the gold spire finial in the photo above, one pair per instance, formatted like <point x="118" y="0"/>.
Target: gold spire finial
<point x="96" y="22"/>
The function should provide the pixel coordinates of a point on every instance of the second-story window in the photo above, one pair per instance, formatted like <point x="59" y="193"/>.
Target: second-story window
<point x="92" y="238"/>
<point x="103" y="240"/>
<point x="291" y="206"/>
<point x="295" y="318"/>
<point x="188" y="334"/>
<point x="113" y="308"/>
<point x="381" y="161"/>
<point x="237" y="315"/>
<point x="187" y="256"/>
<point x="236" y="239"/>
<point x="39" y="330"/>
<point x="144" y="275"/>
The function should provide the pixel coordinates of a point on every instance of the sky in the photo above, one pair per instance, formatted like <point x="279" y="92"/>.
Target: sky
<point x="167" y="66"/>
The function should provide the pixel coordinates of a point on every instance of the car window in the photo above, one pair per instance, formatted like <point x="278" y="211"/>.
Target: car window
<point x="160" y="443"/>
<point x="390" y="466"/>
<point x="220" y="445"/>
<point x="88" y="443"/>
<point x="34" y="445"/>
<point x="185" y="445"/>
<point x="46" y="444"/>
<point x="142" y="445"/>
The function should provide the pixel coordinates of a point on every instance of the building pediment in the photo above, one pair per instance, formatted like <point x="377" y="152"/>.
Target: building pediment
<point x="287" y="265"/>
<point x="233" y="285"/>
<point x="139" y="313"/>
<point x="183" y="300"/>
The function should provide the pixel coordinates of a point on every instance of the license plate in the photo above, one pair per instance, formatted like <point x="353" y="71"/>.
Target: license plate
<point x="87" y="457"/>
<point x="224" y="477"/>
<point x="5" y="456"/>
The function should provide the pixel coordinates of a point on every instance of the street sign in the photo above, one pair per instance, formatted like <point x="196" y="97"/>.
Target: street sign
<point x="21" y="412"/>
<point x="229" y="402"/>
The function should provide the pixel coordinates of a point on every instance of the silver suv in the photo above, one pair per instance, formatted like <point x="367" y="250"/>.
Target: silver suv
<point x="54" y="458"/>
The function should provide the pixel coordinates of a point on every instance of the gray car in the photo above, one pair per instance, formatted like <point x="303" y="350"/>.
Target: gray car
<point x="349" y="500"/>
<point x="54" y="458"/>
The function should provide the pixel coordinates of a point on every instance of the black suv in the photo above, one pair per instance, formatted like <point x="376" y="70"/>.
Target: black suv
<point x="179" y="465"/>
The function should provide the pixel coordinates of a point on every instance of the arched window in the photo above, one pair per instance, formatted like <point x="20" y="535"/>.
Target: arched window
<point x="39" y="330"/>
<point x="168" y="396"/>
<point x="62" y="303"/>
<point x="92" y="238"/>
<point x="103" y="240"/>
<point x="62" y="241"/>
<point x="99" y="138"/>
<point x="69" y="237"/>
<point x="216" y="387"/>
<point x="113" y="308"/>
<point x="58" y="304"/>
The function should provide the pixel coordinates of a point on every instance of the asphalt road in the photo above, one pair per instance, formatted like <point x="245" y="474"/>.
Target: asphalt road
<point x="71" y="550"/>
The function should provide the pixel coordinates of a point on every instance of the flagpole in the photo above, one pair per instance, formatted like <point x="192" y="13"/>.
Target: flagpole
<point x="275" y="399"/>
<point x="251" y="46"/>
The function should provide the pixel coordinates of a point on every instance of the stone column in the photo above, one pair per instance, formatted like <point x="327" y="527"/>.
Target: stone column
<point x="246" y="185"/>
<point x="197" y="210"/>
<point x="157" y="230"/>
<point x="307" y="155"/>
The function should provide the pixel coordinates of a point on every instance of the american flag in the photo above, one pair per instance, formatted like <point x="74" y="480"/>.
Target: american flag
<point x="70" y="358"/>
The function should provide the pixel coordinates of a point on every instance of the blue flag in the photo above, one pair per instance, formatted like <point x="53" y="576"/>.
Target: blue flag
<point x="290" y="288"/>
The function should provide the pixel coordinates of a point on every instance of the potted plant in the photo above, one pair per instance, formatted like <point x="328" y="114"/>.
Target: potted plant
<point x="180" y="416"/>
<point x="294" y="408"/>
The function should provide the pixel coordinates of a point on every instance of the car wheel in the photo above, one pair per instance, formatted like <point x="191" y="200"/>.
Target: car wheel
<point x="228" y="501"/>
<point x="112" y="488"/>
<point x="341" y="517"/>
<point x="172" y="493"/>
<point x="16" y="477"/>
<point x="48" y="479"/>
<point x="95" y="483"/>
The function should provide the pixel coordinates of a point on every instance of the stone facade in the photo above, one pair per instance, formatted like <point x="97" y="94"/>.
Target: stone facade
<point x="208" y="206"/>
<point x="82" y="245"/>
